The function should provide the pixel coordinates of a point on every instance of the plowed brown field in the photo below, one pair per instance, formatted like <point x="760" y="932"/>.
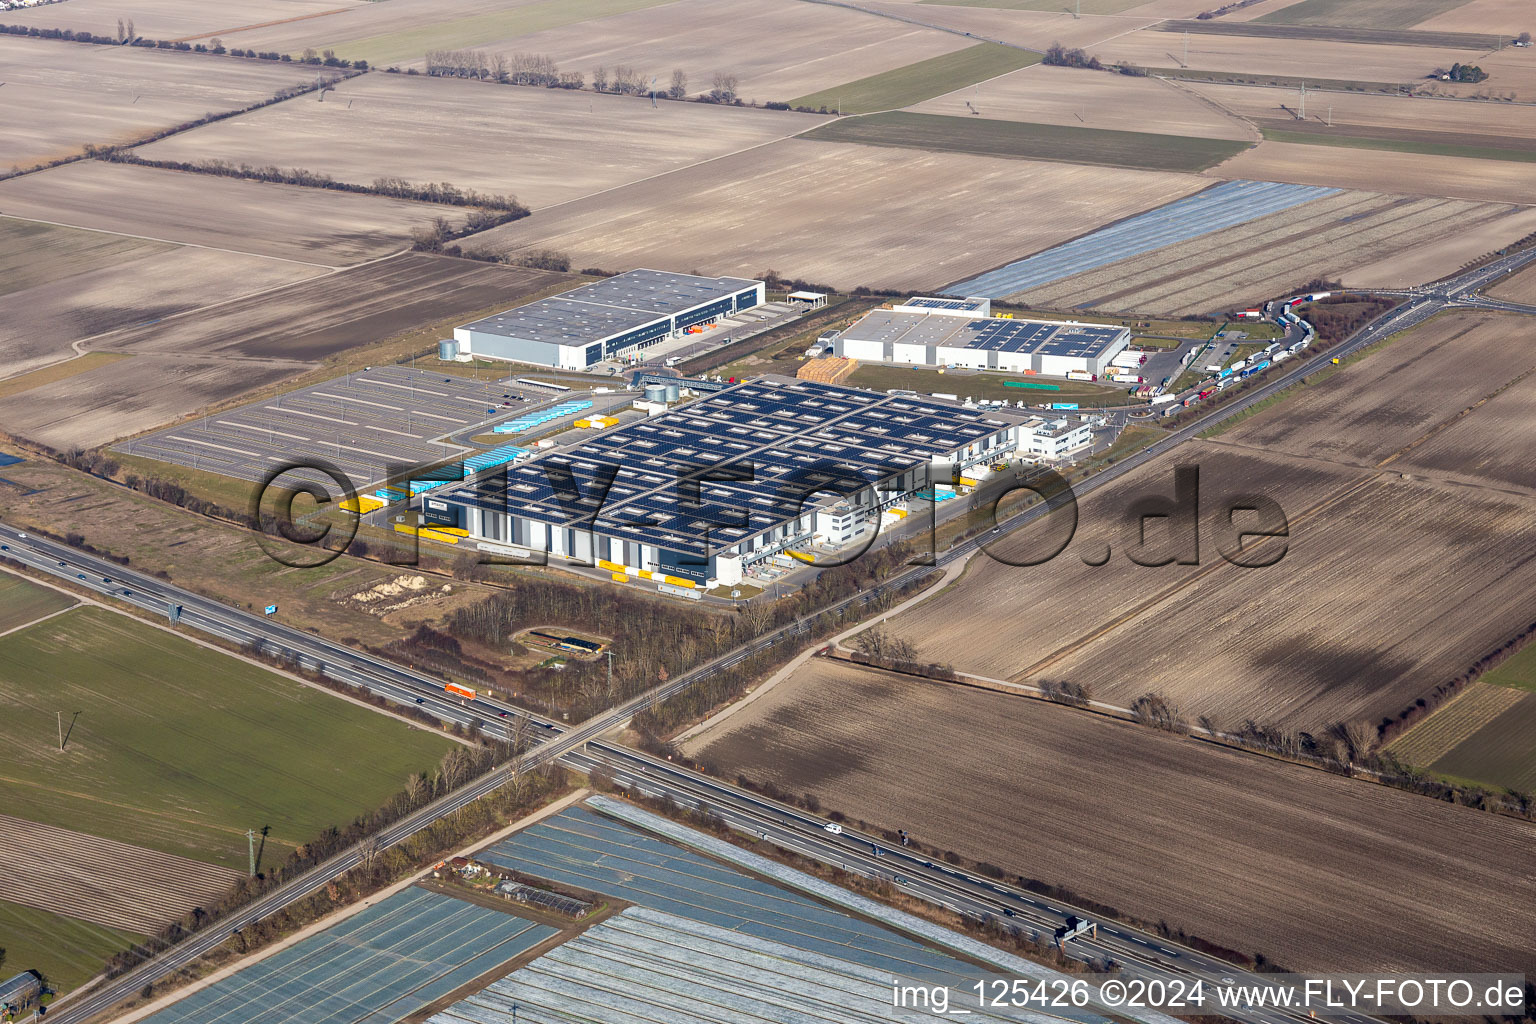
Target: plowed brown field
<point x="1315" y="871"/>
<point x="102" y="881"/>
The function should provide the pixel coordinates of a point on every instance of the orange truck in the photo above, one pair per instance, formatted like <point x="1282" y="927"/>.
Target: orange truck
<point x="461" y="691"/>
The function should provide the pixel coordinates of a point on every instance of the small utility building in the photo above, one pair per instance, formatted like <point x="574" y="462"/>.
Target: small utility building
<point x="960" y="332"/>
<point x="617" y="318"/>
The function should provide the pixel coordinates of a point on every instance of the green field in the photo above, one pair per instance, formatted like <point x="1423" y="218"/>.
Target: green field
<point x="1359" y="13"/>
<point x="1428" y="143"/>
<point x="459" y="33"/>
<point x="180" y="748"/>
<point x="1500" y="754"/>
<point x="982" y="137"/>
<point x="904" y="86"/>
<point x="1519" y="671"/>
<point x="22" y="601"/>
<point x="64" y="950"/>
<point x="1052" y="6"/>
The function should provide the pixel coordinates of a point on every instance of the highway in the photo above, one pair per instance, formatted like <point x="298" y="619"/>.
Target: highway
<point x="1136" y="951"/>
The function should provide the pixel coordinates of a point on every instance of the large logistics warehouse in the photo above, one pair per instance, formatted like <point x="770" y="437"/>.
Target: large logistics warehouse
<point x="611" y="319"/>
<point x="647" y="499"/>
<point x="959" y="332"/>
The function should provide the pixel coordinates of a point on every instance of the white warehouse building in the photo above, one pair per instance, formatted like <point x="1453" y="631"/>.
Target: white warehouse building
<point x="960" y="332"/>
<point x="617" y="318"/>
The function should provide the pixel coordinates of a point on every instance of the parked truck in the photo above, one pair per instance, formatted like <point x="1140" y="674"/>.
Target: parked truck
<point x="1081" y="375"/>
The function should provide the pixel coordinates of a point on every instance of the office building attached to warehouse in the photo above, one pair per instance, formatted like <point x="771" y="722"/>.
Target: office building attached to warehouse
<point x="696" y="496"/>
<point x="963" y="333"/>
<point x="616" y="318"/>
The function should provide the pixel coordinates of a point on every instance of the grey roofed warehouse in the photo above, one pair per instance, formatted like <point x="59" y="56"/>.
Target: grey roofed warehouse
<point x="608" y="319"/>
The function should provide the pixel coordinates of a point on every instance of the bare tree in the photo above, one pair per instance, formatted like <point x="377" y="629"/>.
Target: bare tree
<point x="122" y="33"/>
<point x="600" y="80"/>
<point x="679" y="87"/>
<point x="131" y="37"/>
<point x="415" y="790"/>
<point x="724" y="88"/>
<point x="499" y="68"/>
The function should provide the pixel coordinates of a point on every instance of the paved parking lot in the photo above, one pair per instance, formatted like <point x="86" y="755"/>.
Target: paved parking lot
<point x="361" y="424"/>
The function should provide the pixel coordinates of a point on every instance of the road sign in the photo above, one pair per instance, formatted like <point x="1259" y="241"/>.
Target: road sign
<point x="271" y="610"/>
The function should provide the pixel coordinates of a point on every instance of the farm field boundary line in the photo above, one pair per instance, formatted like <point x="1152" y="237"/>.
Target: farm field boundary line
<point x="1425" y="143"/>
<point x="40" y="618"/>
<point x="893" y="16"/>
<point x="1142" y="607"/>
<point x="1334" y="34"/>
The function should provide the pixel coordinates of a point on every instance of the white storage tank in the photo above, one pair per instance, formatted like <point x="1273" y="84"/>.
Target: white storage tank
<point x="447" y="350"/>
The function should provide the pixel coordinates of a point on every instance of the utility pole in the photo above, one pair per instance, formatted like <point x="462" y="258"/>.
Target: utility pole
<point x="1330" y="115"/>
<point x="610" y="672"/>
<point x="61" y="730"/>
<point x="1303" y="99"/>
<point x="1186" y="45"/>
<point x="250" y="841"/>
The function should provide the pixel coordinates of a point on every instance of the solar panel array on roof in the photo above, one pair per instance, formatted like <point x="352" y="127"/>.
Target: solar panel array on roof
<point x="608" y="307"/>
<point x="731" y="465"/>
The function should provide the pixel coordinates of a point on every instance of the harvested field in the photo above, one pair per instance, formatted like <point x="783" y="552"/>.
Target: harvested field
<point x="1123" y="815"/>
<point x="1433" y="261"/>
<point x="1255" y="56"/>
<point x="107" y="402"/>
<point x="1360" y="13"/>
<point x="401" y="33"/>
<point x="1079" y="98"/>
<point x="1034" y="29"/>
<point x="1518" y="672"/>
<point x="1327" y="637"/>
<point x="172" y="19"/>
<point x="74" y="284"/>
<point x="904" y="86"/>
<point x="1455" y="723"/>
<point x="1342" y="34"/>
<point x="1411" y="389"/>
<point x="264" y="219"/>
<point x="546" y="146"/>
<point x="1519" y="287"/>
<point x="1089" y="6"/>
<point x="69" y="952"/>
<point x="1323" y="635"/>
<point x="1475" y="450"/>
<point x="353" y="307"/>
<point x="115" y="94"/>
<point x="1503" y="16"/>
<point x="1411" y="116"/>
<point x="112" y="884"/>
<point x="1505" y="181"/>
<point x="986" y="137"/>
<point x="776" y="50"/>
<point x="181" y="748"/>
<point x="22" y="601"/>
<point x="57" y="371"/>
<point x="844" y="215"/>
<point x="214" y="354"/>
<point x="1328" y="237"/>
